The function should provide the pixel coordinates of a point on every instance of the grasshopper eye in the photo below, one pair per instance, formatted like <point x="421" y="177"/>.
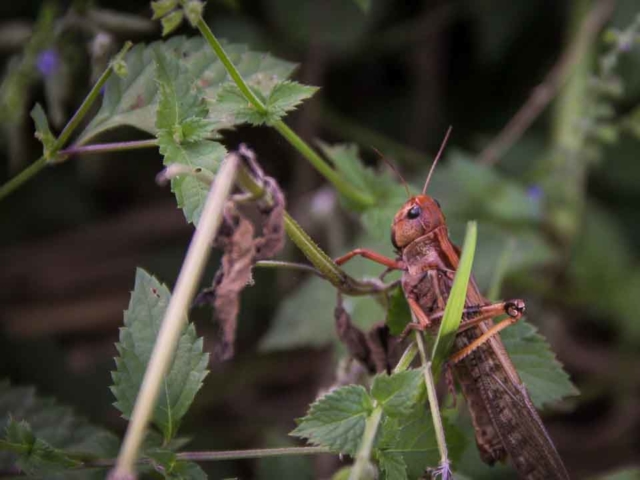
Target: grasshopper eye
<point x="414" y="212"/>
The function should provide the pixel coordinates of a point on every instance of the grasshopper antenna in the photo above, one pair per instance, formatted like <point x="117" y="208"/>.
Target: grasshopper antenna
<point x="397" y="172"/>
<point x="433" y="165"/>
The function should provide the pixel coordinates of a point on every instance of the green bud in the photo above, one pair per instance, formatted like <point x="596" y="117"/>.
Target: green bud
<point x="193" y="10"/>
<point x="120" y="68"/>
<point x="162" y="7"/>
<point x="171" y="22"/>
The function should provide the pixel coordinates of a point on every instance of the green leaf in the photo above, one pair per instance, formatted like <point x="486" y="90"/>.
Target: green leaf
<point x="37" y="455"/>
<point x="392" y="465"/>
<point x="53" y="424"/>
<point x="543" y="375"/>
<point x="284" y="97"/>
<point x="132" y="101"/>
<point x="190" y="192"/>
<point x="162" y="7"/>
<point x="166" y="463"/>
<point x="171" y="22"/>
<point x="231" y="104"/>
<point x="179" y="96"/>
<point x="303" y="319"/>
<point x="399" y="313"/>
<point x="389" y="195"/>
<point x="413" y="438"/>
<point x="455" y="304"/>
<point x="182" y="126"/>
<point x="399" y="393"/>
<point x="43" y="132"/>
<point x="142" y="321"/>
<point x="337" y="419"/>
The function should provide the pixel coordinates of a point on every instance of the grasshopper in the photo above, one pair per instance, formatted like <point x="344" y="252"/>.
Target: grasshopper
<point x="505" y="420"/>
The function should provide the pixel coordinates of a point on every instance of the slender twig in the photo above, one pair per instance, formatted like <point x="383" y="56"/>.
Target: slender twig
<point x="109" y="147"/>
<point x="547" y="90"/>
<point x="66" y="133"/>
<point x="316" y="160"/>
<point x="175" y="316"/>
<point x="434" y="407"/>
<point x="363" y="465"/>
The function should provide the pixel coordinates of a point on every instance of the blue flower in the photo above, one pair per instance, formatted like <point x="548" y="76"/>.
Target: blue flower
<point x="48" y="62"/>
<point x="534" y="192"/>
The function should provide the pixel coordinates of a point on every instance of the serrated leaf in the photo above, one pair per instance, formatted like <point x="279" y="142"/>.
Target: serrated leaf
<point x="54" y="424"/>
<point x="398" y="393"/>
<point x="541" y="372"/>
<point x="392" y="465"/>
<point x="413" y="438"/>
<point x="142" y="320"/>
<point x="190" y="192"/>
<point x="337" y="419"/>
<point x="399" y="313"/>
<point x="132" y="101"/>
<point x="36" y="456"/>
<point x="179" y="96"/>
<point x="455" y="303"/>
<point x="285" y="97"/>
<point x="232" y="104"/>
<point x="182" y="125"/>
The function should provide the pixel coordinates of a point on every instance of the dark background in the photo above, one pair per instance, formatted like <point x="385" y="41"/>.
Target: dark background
<point x="393" y="78"/>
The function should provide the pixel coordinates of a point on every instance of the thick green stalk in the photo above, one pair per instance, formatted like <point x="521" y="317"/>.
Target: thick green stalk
<point x="316" y="160"/>
<point x="318" y="258"/>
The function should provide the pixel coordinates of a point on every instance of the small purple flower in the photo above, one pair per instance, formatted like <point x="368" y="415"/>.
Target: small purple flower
<point x="48" y="62"/>
<point x="534" y="192"/>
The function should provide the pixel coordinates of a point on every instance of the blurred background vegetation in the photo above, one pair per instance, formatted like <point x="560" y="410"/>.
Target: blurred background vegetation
<point x="562" y="201"/>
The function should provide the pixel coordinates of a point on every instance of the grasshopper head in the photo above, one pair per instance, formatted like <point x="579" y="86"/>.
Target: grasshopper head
<point x="419" y="216"/>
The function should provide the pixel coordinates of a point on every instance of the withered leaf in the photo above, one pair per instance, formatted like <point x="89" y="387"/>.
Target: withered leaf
<point x="376" y="349"/>
<point x="231" y="278"/>
<point x="242" y="249"/>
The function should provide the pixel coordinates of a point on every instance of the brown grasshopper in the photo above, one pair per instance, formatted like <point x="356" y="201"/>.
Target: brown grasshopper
<point x="505" y="421"/>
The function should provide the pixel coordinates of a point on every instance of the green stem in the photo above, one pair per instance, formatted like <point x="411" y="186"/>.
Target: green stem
<point x="433" y="404"/>
<point x="23" y="177"/>
<point x="322" y="167"/>
<point x="228" y="64"/>
<point x="316" y="160"/>
<point x="288" y="265"/>
<point x="67" y="131"/>
<point x="109" y="147"/>
<point x="256" y="453"/>
<point x="320" y="260"/>
<point x="70" y="127"/>
<point x="362" y="467"/>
